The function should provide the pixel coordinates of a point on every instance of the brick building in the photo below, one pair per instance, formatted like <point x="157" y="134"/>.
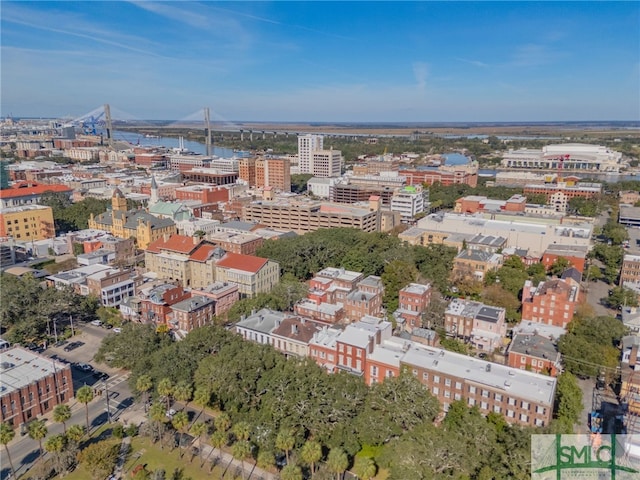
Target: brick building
<point x="225" y="295"/>
<point x="476" y="203"/>
<point x="576" y="255"/>
<point x="552" y="302"/>
<point x="155" y="306"/>
<point x="630" y="271"/>
<point x="31" y="385"/>
<point x="193" y="312"/>
<point x="413" y="300"/>
<point x="529" y="351"/>
<point x="474" y="322"/>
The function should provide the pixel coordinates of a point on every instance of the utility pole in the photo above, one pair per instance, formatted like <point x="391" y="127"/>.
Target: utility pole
<point x="107" y="116"/>
<point x="55" y="330"/>
<point x="71" y="322"/>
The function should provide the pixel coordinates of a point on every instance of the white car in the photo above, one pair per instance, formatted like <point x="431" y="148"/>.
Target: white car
<point x="97" y="323"/>
<point x="170" y="413"/>
<point x="117" y="330"/>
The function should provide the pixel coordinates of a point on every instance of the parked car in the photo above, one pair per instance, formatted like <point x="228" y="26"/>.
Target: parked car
<point x="85" y="367"/>
<point x="117" y="330"/>
<point x="72" y="346"/>
<point x="96" y="323"/>
<point x="170" y="413"/>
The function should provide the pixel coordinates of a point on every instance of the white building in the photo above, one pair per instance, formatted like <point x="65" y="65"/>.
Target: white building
<point x="409" y="201"/>
<point x="192" y="225"/>
<point x="568" y="156"/>
<point x="321" y="187"/>
<point x="307" y="144"/>
<point x="313" y="158"/>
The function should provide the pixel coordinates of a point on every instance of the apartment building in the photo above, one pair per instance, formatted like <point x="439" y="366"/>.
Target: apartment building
<point x="242" y="243"/>
<point x="552" y="302"/>
<point x="112" y="286"/>
<point x="259" y="325"/>
<point x="31" y="385"/>
<point x="521" y="397"/>
<point x="475" y="264"/>
<point x="323" y="312"/>
<point x="559" y="194"/>
<point x="413" y="300"/>
<point x="292" y="336"/>
<point x="482" y="326"/>
<point x="202" y="193"/>
<point x="225" y="295"/>
<point x="576" y="255"/>
<point x="630" y="271"/>
<point x="273" y="172"/>
<point x="27" y="222"/>
<point x="29" y="193"/>
<point x="409" y="202"/>
<point x="535" y="353"/>
<point x="155" y="305"/>
<point x="210" y="176"/>
<point x="193" y="312"/>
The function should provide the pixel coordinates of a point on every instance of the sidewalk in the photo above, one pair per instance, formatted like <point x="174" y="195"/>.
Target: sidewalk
<point x="229" y="463"/>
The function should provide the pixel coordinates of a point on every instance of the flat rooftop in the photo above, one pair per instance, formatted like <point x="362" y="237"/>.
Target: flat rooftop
<point x="20" y="367"/>
<point x="530" y="386"/>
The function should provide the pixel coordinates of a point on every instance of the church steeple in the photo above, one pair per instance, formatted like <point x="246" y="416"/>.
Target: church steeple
<point x="154" y="192"/>
<point x="118" y="201"/>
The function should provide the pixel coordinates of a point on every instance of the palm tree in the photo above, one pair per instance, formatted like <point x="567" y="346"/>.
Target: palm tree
<point x="241" y="430"/>
<point x="199" y="429"/>
<point x="85" y="395"/>
<point x="241" y="450"/>
<point x="266" y="459"/>
<point x="55" y="445"/>
<point x="311" y="454"/>
<point x="285" y="441"/>
<point x="37" y="431"/>
<point x="6" y="435"/>
<point x="337" y="461"/>
<point x="157" y="415"/>
<point x="365" y="467"/>
<point x="222" y="422"/>
<point x="291" y="472"/>
<point x="218" y="440"/>
<point x="75" y="433"/>
<point x="182" y="392"/>
<point x="165" y="389"/>
<point x="180" y="422"/>
<point x="202" y="397"/>
<point x="144" y="384"/>
<point x="61" y="414"/>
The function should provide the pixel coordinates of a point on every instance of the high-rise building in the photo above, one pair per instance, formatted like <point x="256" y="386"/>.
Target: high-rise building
<point x="307" y="144"/>
<point x="274" y="172"/>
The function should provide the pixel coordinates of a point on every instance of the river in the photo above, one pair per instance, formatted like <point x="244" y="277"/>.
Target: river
<point x="172" y="142"/>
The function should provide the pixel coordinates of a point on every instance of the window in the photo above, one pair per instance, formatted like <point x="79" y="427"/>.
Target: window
<point x="447" y="382"/>
<point x="457" y="396"/>
<point x="498" y="397"/>
<point x="484" y="405"/>
<point x="522" y="359"/>
<point x="390" y="373"/>
<point x="425" y="376"/>
<point x="510" y="414"/>
<point x="472" y="389"/>
<point x="436" y="379"/>
<point x="447" y="394"/>
<point x="539" y="422"/>
<point x="436" y="391"/>
<point x="512" y="401"/>
<point x="472" y="402"/>
<point x="541" y="410"/>
<point x="458" y="386"/>
<point x="485" y="393"/>
<point x="524" y="418"/>
<point x="374" y="370"/>
<point x="415" y="372"/>
<point x="525" y="405"/>
<point x="497" y="409"/>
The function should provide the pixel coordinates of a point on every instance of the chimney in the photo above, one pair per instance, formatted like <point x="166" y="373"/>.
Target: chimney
<point x="294" y="329"/>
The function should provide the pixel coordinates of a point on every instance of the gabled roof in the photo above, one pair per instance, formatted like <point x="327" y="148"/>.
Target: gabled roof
<point x="24" y="189"/>
<point x="175" y="243"/>
<point x="202" y="253"/>
<point x="246" y="263"/>
<point x="298" y="329"/>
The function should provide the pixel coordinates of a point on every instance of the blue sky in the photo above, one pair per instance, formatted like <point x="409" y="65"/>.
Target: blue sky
<point x="323" y="61"/>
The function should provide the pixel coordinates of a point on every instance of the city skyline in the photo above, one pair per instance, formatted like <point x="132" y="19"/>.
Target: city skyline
<point x="324" y="61"/>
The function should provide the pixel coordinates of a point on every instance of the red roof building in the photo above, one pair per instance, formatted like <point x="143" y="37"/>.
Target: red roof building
<point x="27" y="193"/>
